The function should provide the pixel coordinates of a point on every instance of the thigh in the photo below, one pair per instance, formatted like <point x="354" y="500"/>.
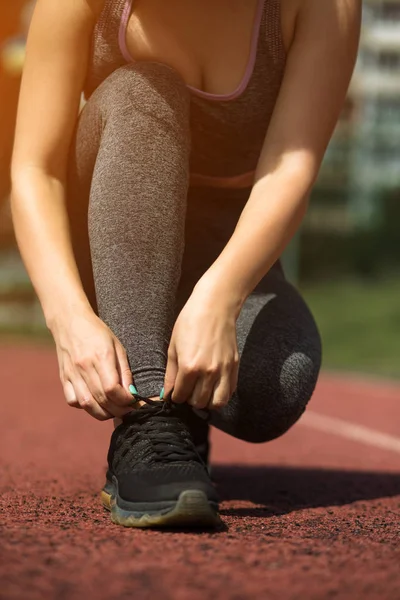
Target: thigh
<point x="280" y="358"/>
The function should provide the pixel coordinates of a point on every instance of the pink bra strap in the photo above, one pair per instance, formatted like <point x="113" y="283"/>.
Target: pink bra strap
<point x="122" y="30"/>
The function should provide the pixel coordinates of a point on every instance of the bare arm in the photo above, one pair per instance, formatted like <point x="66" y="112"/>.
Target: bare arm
<point x="51" y="86"/>
<point x="91" y="359"/>
<point x="318" y="72"/>
<point x="203" y="357"/>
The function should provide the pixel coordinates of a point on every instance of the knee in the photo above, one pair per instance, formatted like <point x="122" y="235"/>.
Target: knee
<point x="145" y="88"/>
<point x="271" y="410"/>
<point x="297" y="383"/>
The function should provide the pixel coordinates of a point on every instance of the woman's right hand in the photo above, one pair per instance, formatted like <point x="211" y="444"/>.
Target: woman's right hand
<point x="94" y="368"/>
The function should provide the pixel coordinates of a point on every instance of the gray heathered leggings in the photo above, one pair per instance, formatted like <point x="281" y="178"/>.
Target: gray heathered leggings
<point x="142" y="239"/>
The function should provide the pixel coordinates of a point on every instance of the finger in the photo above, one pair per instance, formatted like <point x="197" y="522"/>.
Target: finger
<point x="93" y="383"/>
<point x="102" y="391"/>
<point x="115" y="398"/>
<point x="123" y="367"/>
<point x="70" y="395"/>
<point x="87" y="402"/>
<point x="170" y="373"/>
<point x="221" y="395"/>
<point x="202" y="392"/>
<point x="234" y="378"/>
<point x="184" y="384"/>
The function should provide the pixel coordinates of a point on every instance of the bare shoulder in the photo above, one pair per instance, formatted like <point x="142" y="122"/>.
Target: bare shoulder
<point x="321" y="15"/>
<point x="289" y="12"/>
<point x="95" y="6"/>
<point x="333" y="15"/>
<point x="87" y="9"/>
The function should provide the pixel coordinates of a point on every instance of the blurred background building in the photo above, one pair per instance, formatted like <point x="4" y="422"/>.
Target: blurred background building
<point x="346" y="259"/>
<point x="356" y="199"/>
<point x="375" y="94"/>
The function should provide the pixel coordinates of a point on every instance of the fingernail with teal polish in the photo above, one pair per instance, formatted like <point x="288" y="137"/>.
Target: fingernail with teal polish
<point x="162" y="394"/>
<point x="133" y="390"/>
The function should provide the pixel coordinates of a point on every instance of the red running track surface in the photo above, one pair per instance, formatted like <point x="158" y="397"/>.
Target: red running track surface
<point x="312" y="515"/>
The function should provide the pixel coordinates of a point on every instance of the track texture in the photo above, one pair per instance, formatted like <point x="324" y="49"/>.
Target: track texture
<point x="313" y="515"/>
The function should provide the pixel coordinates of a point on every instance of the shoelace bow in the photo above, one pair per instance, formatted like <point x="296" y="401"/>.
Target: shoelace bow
<point x="169" y="444"/>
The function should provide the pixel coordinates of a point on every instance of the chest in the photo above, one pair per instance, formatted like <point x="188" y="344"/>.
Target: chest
<point x="208" y="42"/>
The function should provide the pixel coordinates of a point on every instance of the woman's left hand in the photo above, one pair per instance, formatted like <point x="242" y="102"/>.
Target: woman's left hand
<point x="203" y="359"/>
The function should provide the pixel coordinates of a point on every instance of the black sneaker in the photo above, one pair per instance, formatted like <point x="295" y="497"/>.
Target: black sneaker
<point x="197" y="423"/>
<point x="155" y="476"/>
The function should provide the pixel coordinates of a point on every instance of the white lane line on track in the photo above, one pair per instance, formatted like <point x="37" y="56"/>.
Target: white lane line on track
<point x="351" y="431"/>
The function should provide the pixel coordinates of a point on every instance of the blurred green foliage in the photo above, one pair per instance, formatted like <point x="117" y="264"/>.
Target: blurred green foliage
<point x="359" y="323"/>
<point x="372" y="252"/>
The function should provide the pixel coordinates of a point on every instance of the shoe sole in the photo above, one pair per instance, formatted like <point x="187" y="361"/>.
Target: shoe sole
<point x="192" y="509"/>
